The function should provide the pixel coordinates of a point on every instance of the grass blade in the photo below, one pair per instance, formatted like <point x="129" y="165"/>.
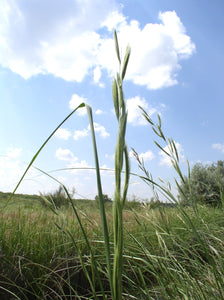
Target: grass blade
<point x="126" y="59"/>
<point x="117" y="46"/>
<point x="100" y="194"/>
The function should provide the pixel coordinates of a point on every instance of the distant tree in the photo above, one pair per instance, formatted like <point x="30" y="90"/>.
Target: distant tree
<point x="205" y="186"/>
<point x="105" y="198"/>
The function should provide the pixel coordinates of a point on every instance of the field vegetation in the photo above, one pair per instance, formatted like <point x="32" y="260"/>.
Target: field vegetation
<point x="55" y="247"/>
<point x="45" y="256"/>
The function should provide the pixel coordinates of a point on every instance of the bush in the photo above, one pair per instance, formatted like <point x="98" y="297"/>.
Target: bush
<point x="57" y="199"/>
<point x="205" y="185"/>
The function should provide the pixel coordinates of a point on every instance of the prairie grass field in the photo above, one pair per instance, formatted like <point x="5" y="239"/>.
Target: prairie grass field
<point x="163" y="257"/>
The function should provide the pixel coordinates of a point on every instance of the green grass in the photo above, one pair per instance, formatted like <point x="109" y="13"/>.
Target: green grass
<point x="162" y="257"/>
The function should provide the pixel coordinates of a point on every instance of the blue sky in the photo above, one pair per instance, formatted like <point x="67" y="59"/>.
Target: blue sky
<point x="54" y="54"/>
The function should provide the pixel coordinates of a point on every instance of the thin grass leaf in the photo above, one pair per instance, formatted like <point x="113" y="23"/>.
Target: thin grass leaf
<point x="49" y="203"/>
<point x="146" y="116"/>
<point x="120" y="149"/>
<point x="175" y="150"/>
<point x="161" y="148"/>
<point x="11" y="293"/>
<point x="144" y="284"/>
<point x="100" y="194"/>
<point x="127" y="174"/>
<point x="120" y="96"/>
<point x="157" y="132"/>
<point x="125" y="64"/>
<point x="117" y="46"/>
<point x="115" y="98"/>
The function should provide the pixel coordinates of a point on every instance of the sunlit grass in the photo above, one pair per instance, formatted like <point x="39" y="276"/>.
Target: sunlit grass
<point x="160" y="256"/>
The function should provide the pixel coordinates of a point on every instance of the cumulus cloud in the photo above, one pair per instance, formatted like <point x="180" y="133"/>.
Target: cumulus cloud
<point x="13" y="152"/>
<point x="96" y="74"/>
<point x="80" y="133"/>
<point x="219" y="147"/>
<point x="72" y="161"/>
<point x="165" y="159"/>
<point x="79" y="165"/>
<point x="85" y="132"/>
<point x="63" y="134"/>
<point x="66" y="155"/>
<point x="147" y="156"/>
<point x="99" y="112"/>
<point x="156" y="50"/>
<point x="64" y="38"/>
<point x="100" y="129"/>
<point x="56" y="37"/>
<point x="135" y="114"/>
<point x="113" y="20"/>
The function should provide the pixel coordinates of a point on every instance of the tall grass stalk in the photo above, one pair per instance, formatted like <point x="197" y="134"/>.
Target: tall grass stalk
<point x="101" y="200"/>
<point x="121" y="155"/>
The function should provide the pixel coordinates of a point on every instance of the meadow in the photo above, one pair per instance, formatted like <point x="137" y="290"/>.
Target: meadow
<point x="114" y="250"/>
<point x="44" y="255"/>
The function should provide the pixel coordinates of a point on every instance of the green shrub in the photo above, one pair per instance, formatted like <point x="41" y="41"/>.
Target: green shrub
<point x="56" y="199"/>
<point x="205" y="184"/>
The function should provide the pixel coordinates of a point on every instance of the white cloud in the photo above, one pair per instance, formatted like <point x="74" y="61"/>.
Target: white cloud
<point x="13" y="152"/>
<point x="65" y="154"/>
<point x="135" y="114"/>
<point x="165" y="159"/>
<point x="96" y="74"/>
<point x="80" y="133"/>
<point x="175" y="29"/>
<point x="147" y="156"/>
<point x="73" y="161"/>
<point x="63" y="134"/>
<point x="63" y="39"/>
<point x="84" y="132"/>
<point x="99" y="112"/>
<point x="80" y="166"/>
<point x="100" y="129"/>
<point x="113" y="20"/>
<point x="155" y="50"/>
<point x="75" y="101"/>
<point x="55" y="37"/>
<point x="219" y="147"/>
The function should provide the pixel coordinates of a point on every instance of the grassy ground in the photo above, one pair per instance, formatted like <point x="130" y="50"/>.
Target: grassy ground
<point x="166" y="255"/>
